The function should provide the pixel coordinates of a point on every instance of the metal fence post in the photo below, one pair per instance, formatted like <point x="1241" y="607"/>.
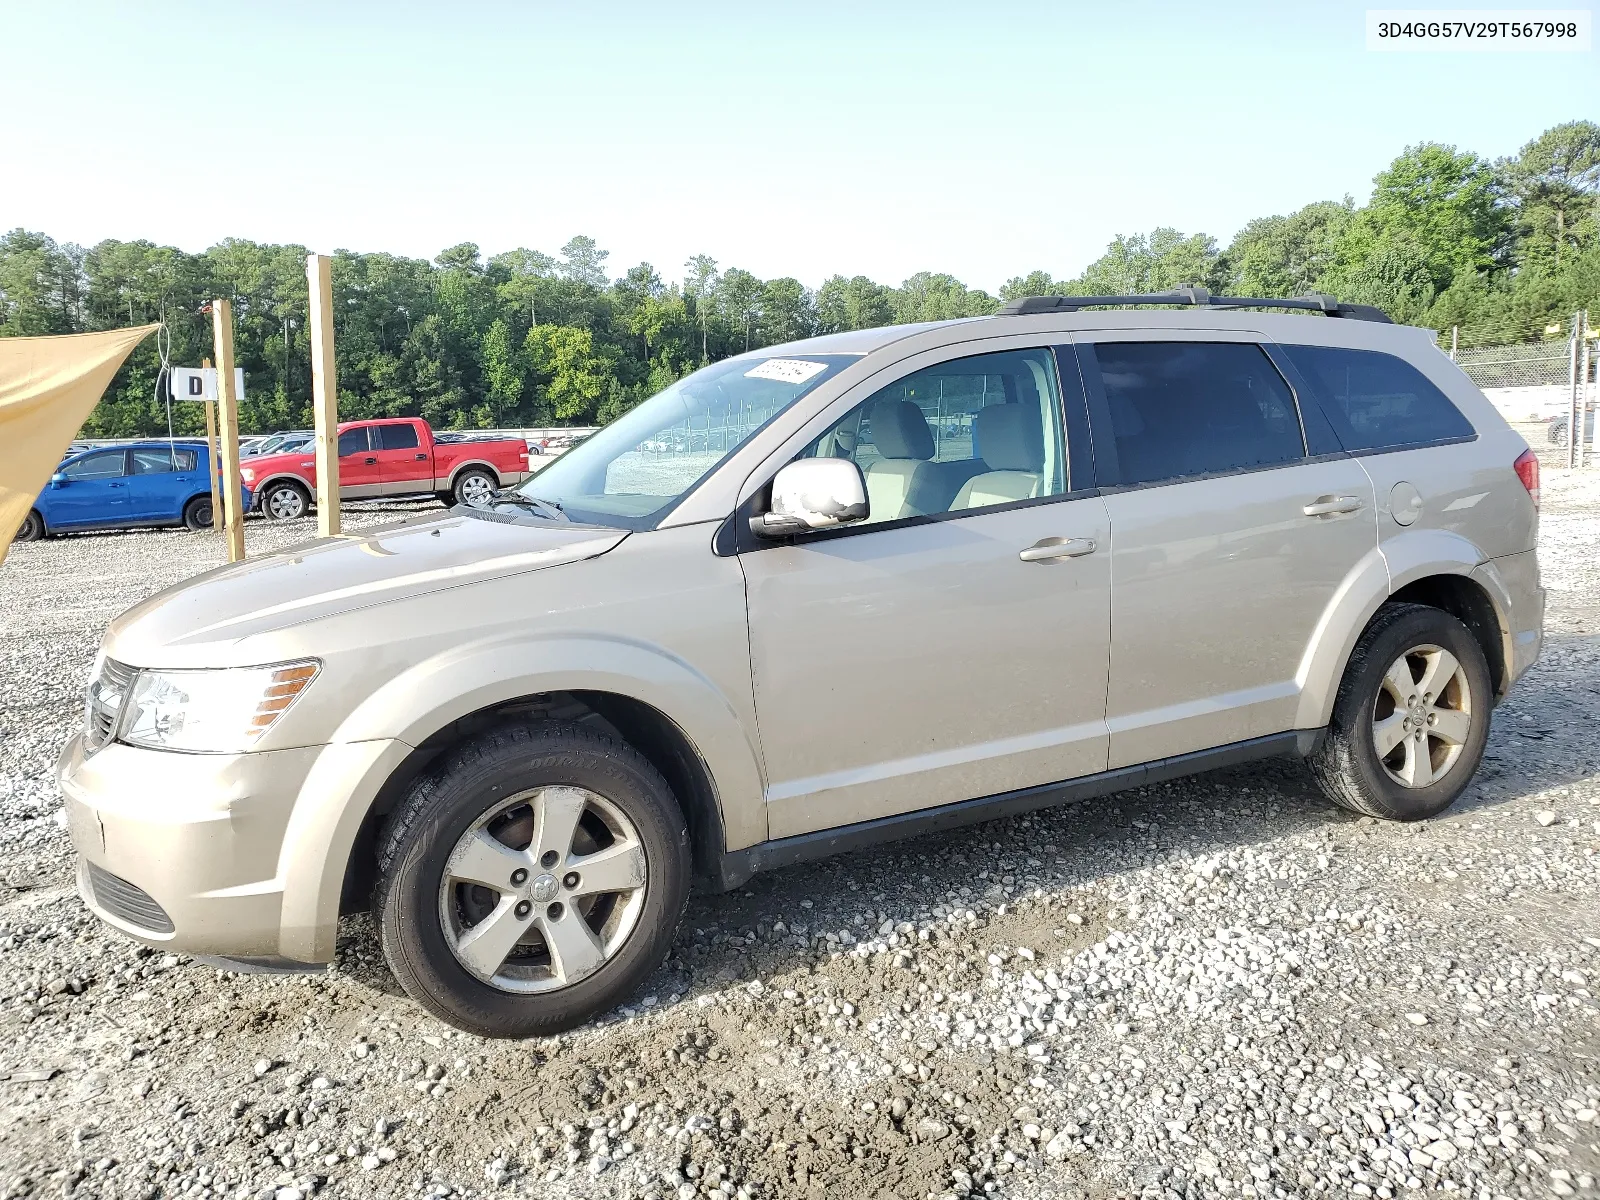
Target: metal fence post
<point x="1584" y="368"/>
<point x="1574" y="409"/>
<point x="1455" y="335"/>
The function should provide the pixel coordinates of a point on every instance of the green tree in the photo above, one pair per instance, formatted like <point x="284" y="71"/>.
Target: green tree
<point x="1285" y="256"/>
<point x="573" y="377"/>
<point x="1155" y="262"/>
<point x="1443" y="203"/>
<point x="582" y="261"/>
<point x="1556" y="181"/>
<point x="855" y="303"/>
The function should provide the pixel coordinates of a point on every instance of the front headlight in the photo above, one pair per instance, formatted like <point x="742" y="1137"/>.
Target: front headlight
<point x="247" y="474"/>
<point x="210" y="711"/>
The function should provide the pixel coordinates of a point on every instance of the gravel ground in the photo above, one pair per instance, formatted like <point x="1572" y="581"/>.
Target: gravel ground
<point x="1215" y="987"/>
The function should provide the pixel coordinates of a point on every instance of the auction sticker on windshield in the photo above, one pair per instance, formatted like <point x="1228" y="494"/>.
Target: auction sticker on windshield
<point x="786" y="370"/>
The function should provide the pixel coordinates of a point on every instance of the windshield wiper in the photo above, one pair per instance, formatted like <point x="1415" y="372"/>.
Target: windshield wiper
<point x="549" y="509"/>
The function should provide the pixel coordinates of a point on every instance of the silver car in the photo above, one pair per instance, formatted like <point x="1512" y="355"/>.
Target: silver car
<point x="856" y="588"/>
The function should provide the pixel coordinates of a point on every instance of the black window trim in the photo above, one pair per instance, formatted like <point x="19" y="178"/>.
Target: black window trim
<point x="127" y="466"/>
<point x="1324" y="402"/>
<point x="734" y="537"/>
<point x="1100" y="417"/>
<point x="365" y="431"/>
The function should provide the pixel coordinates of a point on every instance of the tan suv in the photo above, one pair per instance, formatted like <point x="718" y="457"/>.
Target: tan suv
<point x="806" y="599"/>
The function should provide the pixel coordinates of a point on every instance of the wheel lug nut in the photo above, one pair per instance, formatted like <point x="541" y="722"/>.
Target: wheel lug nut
<point x="554" y="912"/>
<point x="548" y="859"/>
<point x="523" y="908"/>
<point x="570" y="881"/>
<point x="518" y="877"/>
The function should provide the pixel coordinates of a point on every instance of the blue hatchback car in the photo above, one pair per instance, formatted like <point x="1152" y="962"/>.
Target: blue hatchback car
<point x="145" y="483"/>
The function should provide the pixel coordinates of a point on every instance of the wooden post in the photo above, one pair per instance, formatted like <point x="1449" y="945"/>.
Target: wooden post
<point x="324" y="393"/>
<point x="215" y="460"/>
<point x="1455" y="333"/>
<point x="228" y="420"/>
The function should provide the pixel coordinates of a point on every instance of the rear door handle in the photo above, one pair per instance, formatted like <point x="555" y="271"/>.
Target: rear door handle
<point x="369" y="461"/>
<point x="1050" y="548"/>
<point x="422" y="458"/>
<point x="1327" y="506"/>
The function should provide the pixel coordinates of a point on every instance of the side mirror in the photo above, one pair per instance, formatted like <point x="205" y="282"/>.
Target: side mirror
<point x="813" y="493"/>
<point x="59" y="479"/>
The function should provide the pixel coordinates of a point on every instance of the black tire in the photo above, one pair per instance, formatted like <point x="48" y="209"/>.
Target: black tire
<point x="197" y="514"/>
<point x="1557" y="433"/>
<point x="444" y="804"/>
<point x="469" y="483"/>
<point x="32" y="527"/>
<point x="1347" y="766"/>
<point x="284" y="501"/>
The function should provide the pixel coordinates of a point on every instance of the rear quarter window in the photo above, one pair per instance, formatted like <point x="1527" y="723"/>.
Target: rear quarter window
<point x="1377" y="401"/>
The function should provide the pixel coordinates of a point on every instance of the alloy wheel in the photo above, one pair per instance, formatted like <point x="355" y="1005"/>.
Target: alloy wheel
<point x="1422" y="716"/>
<point x="286" y="504"/>
<point x="474" y="489"/>
<point x="543" y="889"/>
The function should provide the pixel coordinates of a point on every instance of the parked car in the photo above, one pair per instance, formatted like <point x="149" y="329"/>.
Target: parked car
<point x="398" y="457"/>
<point x="297" y="441"/>
<point x="1556" y="429"/>
<point x="143" y="483"/>
<point x="1173" y="541"/>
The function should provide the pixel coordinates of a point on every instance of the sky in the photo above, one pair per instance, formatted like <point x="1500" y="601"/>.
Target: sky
<point x="874" y="138"/>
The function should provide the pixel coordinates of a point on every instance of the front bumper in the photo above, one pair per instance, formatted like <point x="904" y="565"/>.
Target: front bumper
<point x="199" y="835"/>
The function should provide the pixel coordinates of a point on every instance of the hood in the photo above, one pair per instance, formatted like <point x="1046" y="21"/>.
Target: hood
<point x="185" y="625"/>
<point x="274" y="461"/>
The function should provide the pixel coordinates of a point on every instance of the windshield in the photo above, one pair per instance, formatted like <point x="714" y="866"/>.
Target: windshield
<point x="631" y="473"/>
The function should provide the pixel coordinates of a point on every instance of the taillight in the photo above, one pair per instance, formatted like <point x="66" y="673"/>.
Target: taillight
<point x="1527" y="469"/>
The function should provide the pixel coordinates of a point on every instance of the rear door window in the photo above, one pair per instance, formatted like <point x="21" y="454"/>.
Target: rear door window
<point x="1377" y="401"/>
<point x="396" y="437"/>
<point x="157" y="462"/>
<point x="1181" y="409"/>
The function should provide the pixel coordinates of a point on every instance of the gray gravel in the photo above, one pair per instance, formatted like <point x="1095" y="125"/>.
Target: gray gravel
<point x="1215" y="987"/>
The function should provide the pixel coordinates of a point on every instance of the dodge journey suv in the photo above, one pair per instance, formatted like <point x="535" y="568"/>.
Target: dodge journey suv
<point x="806" y="599"/>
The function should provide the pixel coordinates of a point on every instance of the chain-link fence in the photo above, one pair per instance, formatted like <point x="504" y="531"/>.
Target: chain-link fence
<point x="1533" y="364"/>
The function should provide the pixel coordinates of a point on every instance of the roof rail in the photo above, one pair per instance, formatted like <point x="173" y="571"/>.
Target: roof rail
<point x="1192" y="295"/>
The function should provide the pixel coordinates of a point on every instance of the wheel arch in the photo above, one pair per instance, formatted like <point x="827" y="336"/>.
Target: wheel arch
<point x="671" y="715"/>
<point x="260" y="489"/>
<point x="457" y="470"/>
<point x="1433" y="567"/>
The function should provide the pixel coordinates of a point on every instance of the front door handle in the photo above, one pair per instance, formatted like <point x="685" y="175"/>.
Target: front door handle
<point x="1050" y="548"/>
<point x="1327" y="506"/>
<point x="369" y="461"/>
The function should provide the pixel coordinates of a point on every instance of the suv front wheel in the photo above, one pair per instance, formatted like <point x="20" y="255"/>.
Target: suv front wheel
<point x="532" y="881"/>
<point x="1411" y="717"/>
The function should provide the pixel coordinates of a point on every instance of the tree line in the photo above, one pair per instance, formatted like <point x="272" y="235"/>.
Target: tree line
<point x="524" y="338"/>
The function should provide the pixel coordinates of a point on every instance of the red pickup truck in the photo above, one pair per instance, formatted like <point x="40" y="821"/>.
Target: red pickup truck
<point x="398" y="457"/>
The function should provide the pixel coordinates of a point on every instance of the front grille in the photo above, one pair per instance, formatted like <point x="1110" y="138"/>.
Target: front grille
<point x="107" y="691"/>
<point x="126" y="902"/>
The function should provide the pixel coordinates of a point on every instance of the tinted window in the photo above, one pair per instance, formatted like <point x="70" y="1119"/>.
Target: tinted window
<point x="95" y="466"/>
<point x="1378" y="401"/>
<point x="966" y="434"/>
<point x="353" y="441"/>
<point x="1189" y="408"/>
<point x="155" y="462"/>
<point x="396" y="437"/>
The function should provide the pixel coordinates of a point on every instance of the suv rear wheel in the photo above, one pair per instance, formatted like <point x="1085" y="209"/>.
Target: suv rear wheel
<point x="1411" y="717"/>
<point x="532" y="881"/>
